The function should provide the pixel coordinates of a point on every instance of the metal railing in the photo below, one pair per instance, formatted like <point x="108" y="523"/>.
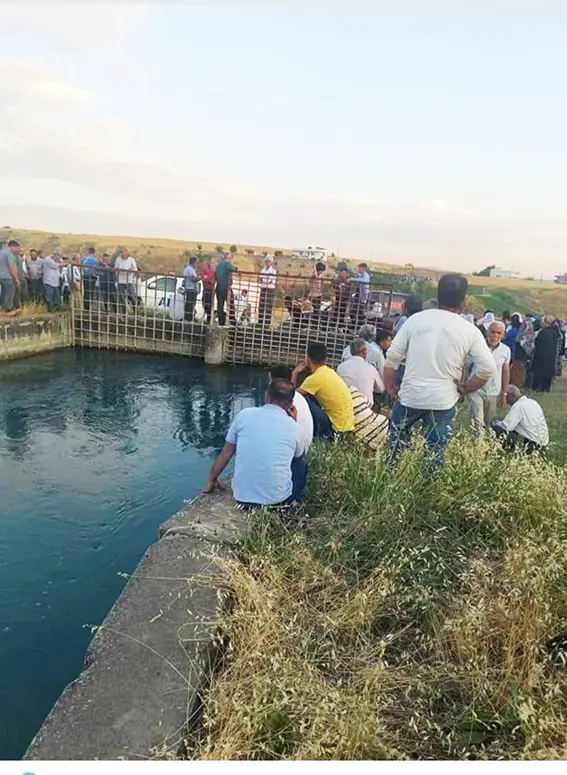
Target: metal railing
<point x="272" y="317"/>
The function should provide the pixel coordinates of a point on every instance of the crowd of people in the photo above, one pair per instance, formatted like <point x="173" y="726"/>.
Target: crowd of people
<point x="431" y="361"/>
<point x="55" y="278"/>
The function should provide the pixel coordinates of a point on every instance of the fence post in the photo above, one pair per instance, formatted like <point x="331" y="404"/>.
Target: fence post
<point x="216" y="339"/>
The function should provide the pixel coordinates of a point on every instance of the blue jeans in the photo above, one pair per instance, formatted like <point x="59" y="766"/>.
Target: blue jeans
<point x="52" y="297"/>
<point x="437" y="426"/>
<point x="322" y="428"/>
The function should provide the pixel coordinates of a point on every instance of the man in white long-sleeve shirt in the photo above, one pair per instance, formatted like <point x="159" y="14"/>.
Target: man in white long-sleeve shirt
<point x="524" y="424"/>
<point x="435" y="345"/>
<point x="360" y="374"/>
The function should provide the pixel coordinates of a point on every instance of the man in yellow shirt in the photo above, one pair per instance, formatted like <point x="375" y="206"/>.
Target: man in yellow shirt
<point x="328" y="396"/>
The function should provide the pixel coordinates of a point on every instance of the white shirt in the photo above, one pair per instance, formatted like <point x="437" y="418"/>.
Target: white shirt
<point x="304" y="420"/>
<point x="502" y="357"/>
<point x="435" y="344"/>
<point x="527" y="419"/>
<point x="51" y="272"/>
<point x="268" y="277"/>
<point x="374" y="356"/>
<point x="126" y="278"/>
<point x="357" y="373"/>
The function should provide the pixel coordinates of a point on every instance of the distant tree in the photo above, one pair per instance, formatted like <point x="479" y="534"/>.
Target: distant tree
<point x="485" y="272"/>
<point x="249" y="251"/>
<point x="264" y="253"/>
<point x="234" y="248"/>
<point x="278" y="254"/>
<point x="199" y="247"/>
<point x="342" y="265"/>
<point x="220" y="248"/>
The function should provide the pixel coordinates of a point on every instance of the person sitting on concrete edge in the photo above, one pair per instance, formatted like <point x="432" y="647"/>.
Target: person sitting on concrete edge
<point x="435" y="345"/>
<point x="374" y="354"/>
<point x="270" y="468"/>
<point x="358" y="373"/>
<point x="524" y="425"/>
<point x="328" y="396"/>
<point x="304" y="418"/>
<point x="484" y="402"/>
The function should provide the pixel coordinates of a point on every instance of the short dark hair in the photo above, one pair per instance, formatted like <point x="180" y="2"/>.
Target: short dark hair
<point x="13" y="243"/>
<point x="91" y="250"/>
<point x="317" y="352"/>
<point x="192" y="259"/>
<point x="413" y="304"/>
<point x="382" y="334"/>
<point x="281" y="392"/>
<point x="320" y="266"/>
<point x="363" y="265"/>
<point x="106" y="255"/>
<point x="279" y="371"/>
<point x="33" y="250"/>
<point x="506" y="314"/>
<point x="452" y="290"/>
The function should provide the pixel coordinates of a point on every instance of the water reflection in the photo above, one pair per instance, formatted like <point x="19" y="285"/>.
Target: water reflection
<point x="96" y="450"/>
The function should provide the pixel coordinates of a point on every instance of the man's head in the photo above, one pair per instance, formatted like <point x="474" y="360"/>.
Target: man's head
<point x="515" y="320"/>
<point x="14" y="247"/>
<point x="280" y="392"/>
<point x="105" y="258"/>
<point x="358" y="347"/>
<point x="344" y="274"/>
<point x="33" y="254"/>
<point x="269" y="259"/>
<point x="58" y="253"/>
<point x="320" y="267"/>
<point x="192" y="260"/>
<point x="513" y="394"/>
<point x="367" y="332"/>
<point x="316" y="355"/>
<point x="430" y="304"/>
<point x="91" y="251"/>
<point x="124" y="252"/>
<point x="384" y="338"/>
<point x="547" y="321"/>
<point x="362" y="268"/>
<point x="451" y="292"/>
<point x="495" y="333"/>
<point x="244" y="292"/>
<point x="279" y="372"/>
<point x="412" y="305"/>
<point x="506" y="315"/>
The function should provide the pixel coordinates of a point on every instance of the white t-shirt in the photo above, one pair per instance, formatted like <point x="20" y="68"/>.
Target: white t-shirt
<point x="268" y="277"/>
<point x="435" y="344"/>
<point x="359" y="374"/>
<point x="502" y="357"/>
<point x="304" y="420"/>
<point x="527" y="419"/>
<point x="126" y="278"/>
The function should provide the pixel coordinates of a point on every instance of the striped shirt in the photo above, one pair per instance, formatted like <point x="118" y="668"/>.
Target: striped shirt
<point x="369" y="427"/>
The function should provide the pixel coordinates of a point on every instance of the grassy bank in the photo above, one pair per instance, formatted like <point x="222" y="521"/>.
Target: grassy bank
<point x="408" y="620"/>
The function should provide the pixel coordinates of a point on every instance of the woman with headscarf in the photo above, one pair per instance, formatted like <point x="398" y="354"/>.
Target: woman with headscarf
<point x="561" y="327"/>
<point x="522" y="352"/>
<point x="545" y="355"/>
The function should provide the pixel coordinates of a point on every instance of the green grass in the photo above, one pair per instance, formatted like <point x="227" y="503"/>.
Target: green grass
<point x="407" y="619"/>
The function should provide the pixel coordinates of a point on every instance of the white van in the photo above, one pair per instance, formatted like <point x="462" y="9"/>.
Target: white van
<point x="166" y="291"/>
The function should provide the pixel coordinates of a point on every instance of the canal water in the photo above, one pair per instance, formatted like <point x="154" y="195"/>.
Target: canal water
<point x="96" y="450"/>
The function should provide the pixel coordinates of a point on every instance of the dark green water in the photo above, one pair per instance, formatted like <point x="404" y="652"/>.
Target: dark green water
<point x="96" y="450"/>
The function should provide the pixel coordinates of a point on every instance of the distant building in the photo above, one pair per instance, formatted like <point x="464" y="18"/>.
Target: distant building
<point x="503" y="274"/>
<point x="312" y="254"/>
<point x="561" y="279"/>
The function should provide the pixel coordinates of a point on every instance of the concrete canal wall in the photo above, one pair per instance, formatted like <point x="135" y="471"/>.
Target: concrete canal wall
<point x="21" y="337"/>
<point x="147" y="665"/>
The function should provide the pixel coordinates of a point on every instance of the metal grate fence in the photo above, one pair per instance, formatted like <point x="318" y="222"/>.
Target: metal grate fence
<point x="271" y="318"/>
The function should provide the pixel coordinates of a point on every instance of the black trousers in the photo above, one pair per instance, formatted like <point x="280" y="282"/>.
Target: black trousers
<point x="208" y="304"/>
<point x="540" y="383"/>
<point x="190" y="301"/>
<point x="511" y="440"/>
<point x="89" y="286"/>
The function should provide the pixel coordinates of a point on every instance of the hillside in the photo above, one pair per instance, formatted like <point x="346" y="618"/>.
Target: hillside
<point x="167" y="255"/>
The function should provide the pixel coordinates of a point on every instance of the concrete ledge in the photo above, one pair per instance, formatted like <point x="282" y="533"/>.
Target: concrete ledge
<point x="24" y="336"/>
<point x="148" y="664"/>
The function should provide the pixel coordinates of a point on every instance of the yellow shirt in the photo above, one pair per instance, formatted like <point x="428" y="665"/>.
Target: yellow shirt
<point x="333" y="396"/>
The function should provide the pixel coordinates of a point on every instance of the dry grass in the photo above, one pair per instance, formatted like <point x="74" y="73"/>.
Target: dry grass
<point x="408" y="620"/>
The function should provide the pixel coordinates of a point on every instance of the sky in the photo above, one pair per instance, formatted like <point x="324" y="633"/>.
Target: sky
<point x="427" y="134"/>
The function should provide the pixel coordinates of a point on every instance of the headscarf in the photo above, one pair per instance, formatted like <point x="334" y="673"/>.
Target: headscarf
<point x="486" y="320"/>
<point x="526" y="336"/>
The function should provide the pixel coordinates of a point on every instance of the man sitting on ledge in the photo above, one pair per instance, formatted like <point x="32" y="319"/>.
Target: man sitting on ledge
<point x="328" y="396"/>
<point x="269" y="445"/>
<point x="524" y="424"/>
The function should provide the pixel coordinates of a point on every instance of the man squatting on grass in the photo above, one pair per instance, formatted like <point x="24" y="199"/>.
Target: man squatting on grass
<point x="435" y="344"/>
<point x="269" y="444"/>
